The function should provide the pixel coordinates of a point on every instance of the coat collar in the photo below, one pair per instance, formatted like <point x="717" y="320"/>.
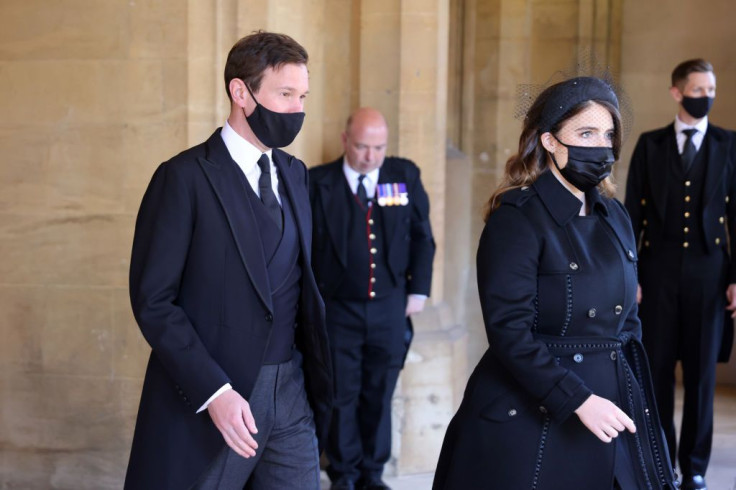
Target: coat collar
<point x="227" y="181"/>
<point x="561" y="203"/>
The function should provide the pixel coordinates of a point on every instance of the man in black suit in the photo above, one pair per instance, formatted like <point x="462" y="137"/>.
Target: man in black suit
<point x="222" y="289"/>
<point x="681" y="195"/>
<point x="372" y="251"/>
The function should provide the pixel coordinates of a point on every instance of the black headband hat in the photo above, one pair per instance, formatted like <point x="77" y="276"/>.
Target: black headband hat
<point x="572" y="92"/>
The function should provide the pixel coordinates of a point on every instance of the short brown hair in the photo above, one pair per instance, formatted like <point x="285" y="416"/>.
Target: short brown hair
<point x="684" y="69"/>
<point x="253" y="54"/>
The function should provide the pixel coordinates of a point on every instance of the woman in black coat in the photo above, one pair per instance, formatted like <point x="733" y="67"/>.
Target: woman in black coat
<point x="562" y="398"/>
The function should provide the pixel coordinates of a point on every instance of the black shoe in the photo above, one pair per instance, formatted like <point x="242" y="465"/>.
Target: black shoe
<point x="342" y="484"/>
<point x="693" y="482"/>
<point x="373" y="484"/>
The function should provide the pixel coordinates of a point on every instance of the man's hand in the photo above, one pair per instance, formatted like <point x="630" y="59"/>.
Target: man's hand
<point x="232" y="417"/>
<point x="603" y="418"/>
<point x="731" y="298"/>
<point x="414" y="304"/>
<point x="638" y="293"/>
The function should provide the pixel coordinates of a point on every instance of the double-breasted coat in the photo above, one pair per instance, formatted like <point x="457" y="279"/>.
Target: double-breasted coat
<point x="558" y="295"/>
<point x="200" y="293"/>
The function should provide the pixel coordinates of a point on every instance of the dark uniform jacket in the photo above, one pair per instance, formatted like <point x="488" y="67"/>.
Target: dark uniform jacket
<point x="557" y="293"/>
<point x="410" y="266"/>
<point x="200" y="293"/>
<point x="649" y="183"/>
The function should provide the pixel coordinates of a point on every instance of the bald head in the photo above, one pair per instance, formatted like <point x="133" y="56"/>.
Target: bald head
<point x="365" y="139"/>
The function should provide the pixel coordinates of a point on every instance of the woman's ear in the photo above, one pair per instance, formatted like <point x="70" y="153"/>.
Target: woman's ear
<point x="548" y="142"/>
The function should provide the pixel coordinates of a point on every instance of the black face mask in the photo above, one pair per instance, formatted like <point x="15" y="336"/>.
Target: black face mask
<point x="698" y="107"/>
<point x="586" y="166"/>
<point x="274" y="129"/>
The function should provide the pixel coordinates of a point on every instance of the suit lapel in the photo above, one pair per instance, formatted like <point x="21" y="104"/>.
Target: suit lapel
<point x="332" y="192"/>
<point x="714" y="163"/>
<point x="227" y="181"/>
<point x="664" y="153"/>
<point x="297" y="196"/>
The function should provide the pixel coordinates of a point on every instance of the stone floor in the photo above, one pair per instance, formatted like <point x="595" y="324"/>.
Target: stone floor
<point x="721" y="472"/>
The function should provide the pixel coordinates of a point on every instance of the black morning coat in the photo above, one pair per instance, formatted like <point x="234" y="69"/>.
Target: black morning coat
<point x="647" y="187"/>
<point x="409" y="265"/>
<point x="200" y="293"/>
<point x="559" y="329"/>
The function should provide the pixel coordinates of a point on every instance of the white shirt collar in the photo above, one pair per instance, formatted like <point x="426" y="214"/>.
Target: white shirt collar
<point x="369" y="182"/>
<point x="701" y="126"/>
<point x="244" y="153"/>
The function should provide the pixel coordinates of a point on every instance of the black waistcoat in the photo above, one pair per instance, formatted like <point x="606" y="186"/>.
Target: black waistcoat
<point x="684" y="203"/>
<point x="367" y="275"/>
<point x="282" y="255"/>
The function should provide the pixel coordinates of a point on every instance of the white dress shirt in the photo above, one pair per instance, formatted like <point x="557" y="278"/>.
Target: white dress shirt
<point x="369" y="182"/>
<point x="697" y="137"/>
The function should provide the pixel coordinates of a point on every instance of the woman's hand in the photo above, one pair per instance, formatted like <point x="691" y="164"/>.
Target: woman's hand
<point x="603" y="418"/>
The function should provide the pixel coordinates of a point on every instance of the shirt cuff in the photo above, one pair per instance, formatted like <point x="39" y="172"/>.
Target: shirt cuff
<point x="219" y="392"/>
<point x="419" y="296"/>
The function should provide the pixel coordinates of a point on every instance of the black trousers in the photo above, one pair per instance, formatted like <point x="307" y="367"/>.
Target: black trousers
<point x="367" y="344"/>
<point x="682" y="313"/>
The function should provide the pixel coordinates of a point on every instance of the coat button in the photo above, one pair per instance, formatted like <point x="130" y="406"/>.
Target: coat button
<point x="618" y="309"/>
<point x="542" y="409"/>
<point x="525" y="188"/>
<point x="685" y="244"/>
<point x="578" y="358"/>
<point x="646" y="243"/>
<point x="269" y="317"/>
<point x="720" y="220"/>
<point x="687" y="183"/>
<point x="643" y="202"/>
<point x="645" y="222"/>
<point x="591" y="313"/>
<point x="373" y="266"/>
<point x="686" y="230"/>
<point x="718" y="241"/>
<point x="687" y="198"/>
<point x="374" y="250"/>
<point x="573" y="266"/>
<point x="512" y="412"/>
<point x="613" y="355"/>
<point x="373" y="280"/>
<point x="630" y="254"/>
<point x="687" y="214"/>
<point x="372" y="294"/>
<point x="372" y="236"/>
<point x="370" y="221"/>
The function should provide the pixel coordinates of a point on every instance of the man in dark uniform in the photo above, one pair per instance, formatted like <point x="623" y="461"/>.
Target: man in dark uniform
<point x="681" y="195"/>
<point x="239" y="379"/>
<point x="372" y="257"/>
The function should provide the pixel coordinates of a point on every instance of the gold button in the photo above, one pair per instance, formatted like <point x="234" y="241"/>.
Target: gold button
<point x="686" y="230"/>
<point x="720" y="220"/>
<point x="373" y="266"/>
<point x="374" y="250"/>
<point x="687" y="214"/>
<point x="646" y="243"/>
<point x="645" y="222"/>
<point x="685" y="244"/>
<point x="687" y="183"/>
<point x="370" y="221"/>
<point x="718" y="241"/>
<point x="372" y="236"/>
<point x="373" y="294"/>
<point x="373" y="279"/>
<point x="687" y="198"/>
<point x="643" y="202"/>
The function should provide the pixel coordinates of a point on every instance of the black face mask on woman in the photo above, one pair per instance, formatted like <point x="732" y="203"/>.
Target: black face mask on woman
<point x="586" y="166"/>
<point x="274" y="129"/>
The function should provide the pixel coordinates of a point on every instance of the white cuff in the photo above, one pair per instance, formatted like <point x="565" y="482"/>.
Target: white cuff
<point x="219" y="392"/>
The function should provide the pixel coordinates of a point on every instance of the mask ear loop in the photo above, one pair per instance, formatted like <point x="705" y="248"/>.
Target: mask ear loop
<point x="254" y="100"/>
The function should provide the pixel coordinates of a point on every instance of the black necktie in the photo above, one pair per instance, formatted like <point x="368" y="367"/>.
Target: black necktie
<point x="688" y="149"/>
<point x="362" y="196"/>
<point x="267" y="196"/>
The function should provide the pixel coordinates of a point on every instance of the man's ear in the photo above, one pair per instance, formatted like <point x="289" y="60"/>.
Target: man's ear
<point x="238" y="92"/>
<point x="676" y="94"/>
<point x="548" y="142"/>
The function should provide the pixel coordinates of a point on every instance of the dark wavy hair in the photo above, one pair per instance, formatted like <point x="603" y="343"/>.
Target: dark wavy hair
<point x="253" y="54"/>
<point x="525" y="167"/>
